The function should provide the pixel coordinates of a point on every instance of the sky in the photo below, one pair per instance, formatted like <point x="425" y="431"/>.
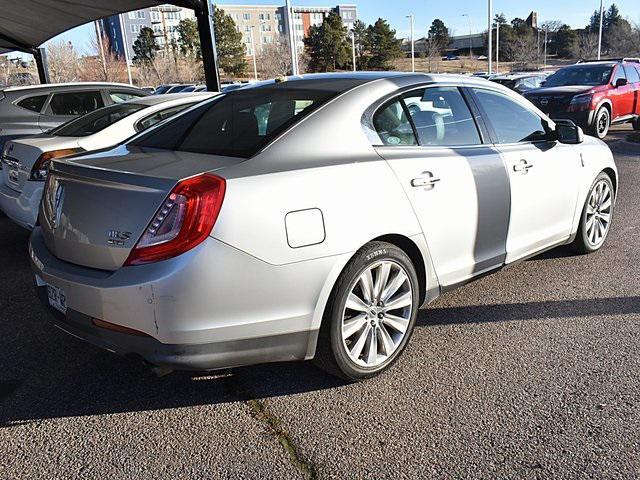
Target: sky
<point x="573" y="12"/>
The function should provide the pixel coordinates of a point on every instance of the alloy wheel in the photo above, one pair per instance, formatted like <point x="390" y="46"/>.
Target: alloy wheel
<point x="598" y="215"/>
<point x="377" y="313"/>
<point x="602" y="125"/>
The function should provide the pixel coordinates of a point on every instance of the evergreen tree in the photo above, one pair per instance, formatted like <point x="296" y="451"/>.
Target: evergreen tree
<point x="440" y="33"/>
<point x="145" y="46"/>
<point x="229" y="45"/>
<point x="189" y="38"/>
<point x="328" y="45"/>
<point x="383" y="45"/>
<point x="360" y="40"/>
<point x="564" y="41"/>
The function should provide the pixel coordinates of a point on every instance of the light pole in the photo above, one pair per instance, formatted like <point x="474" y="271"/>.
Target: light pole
<point x="489" y="15"/>
<point x="470" y="42"/>
<point x="497" y="46"/>
<point x="546" y="31"/>
<point x="413" y="53"/>
<point x="292" y="39"/>
<point x="123" y="31"/>
<point x="600" y="31"/>
<point x="253" y="53"/>
<point x="353" y="48"/>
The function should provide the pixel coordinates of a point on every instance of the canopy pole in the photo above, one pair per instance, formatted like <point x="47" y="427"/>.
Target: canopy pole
<point x="204" y="16"/>
<point x="40" y="56"/>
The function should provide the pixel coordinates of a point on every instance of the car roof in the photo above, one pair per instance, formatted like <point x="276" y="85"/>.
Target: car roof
<point x="54" y="86"/>
<point x="185" y="97"/>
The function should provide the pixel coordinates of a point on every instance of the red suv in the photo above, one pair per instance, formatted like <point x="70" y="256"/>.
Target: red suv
<point x="594" y="94"/>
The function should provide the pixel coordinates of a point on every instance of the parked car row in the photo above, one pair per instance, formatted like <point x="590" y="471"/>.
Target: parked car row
<point x="189" y="88"/>
<point x="232" y="233"/>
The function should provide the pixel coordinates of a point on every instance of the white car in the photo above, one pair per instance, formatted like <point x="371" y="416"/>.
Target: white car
<point x="24" y="162"/>
<point x="310" y="217"/>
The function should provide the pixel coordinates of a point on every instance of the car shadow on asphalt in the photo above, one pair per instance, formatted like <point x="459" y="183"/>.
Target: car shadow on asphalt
<point x="45" y="373"/>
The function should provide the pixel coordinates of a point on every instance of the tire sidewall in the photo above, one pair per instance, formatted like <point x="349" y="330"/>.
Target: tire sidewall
<point x="583" y="218"/>
<point x="602" y="111"/>
<point x="377" y="252"/>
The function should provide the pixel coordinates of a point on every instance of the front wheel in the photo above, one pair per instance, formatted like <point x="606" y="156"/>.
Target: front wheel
<point x="636" y="124"/>
<point x="597" y="214"/>
<point x="601" y="123"/>
<point x="371" y="313"/>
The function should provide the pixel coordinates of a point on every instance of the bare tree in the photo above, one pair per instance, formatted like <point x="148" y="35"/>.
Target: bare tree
<point x="63" y="61"/>
<point x="524" y="50"/>
<point x="623" y="39"/>
<point x="111" y="68"/>
<point x="586" y="46"/>
<point x="275" y="59"/>
<point x="432" y="49"/>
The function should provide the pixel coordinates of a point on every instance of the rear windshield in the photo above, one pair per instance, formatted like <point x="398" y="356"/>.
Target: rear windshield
<point x="580" y="75"/>
<point x="95" y="121"/>
<point x="237" y="124"/>
<point x="507" y="83"/>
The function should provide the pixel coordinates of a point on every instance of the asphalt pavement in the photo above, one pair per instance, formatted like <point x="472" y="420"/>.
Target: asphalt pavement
<point x="533" y="372"/>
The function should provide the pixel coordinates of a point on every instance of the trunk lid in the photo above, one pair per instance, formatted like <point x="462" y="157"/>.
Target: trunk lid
<point x="20" y="156"/>
<point x="95" y="208"/>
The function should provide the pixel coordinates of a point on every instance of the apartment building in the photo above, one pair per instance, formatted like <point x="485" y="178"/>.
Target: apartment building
<point x="266" y="22"/>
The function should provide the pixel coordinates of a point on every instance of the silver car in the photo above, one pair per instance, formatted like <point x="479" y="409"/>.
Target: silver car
<point x="310" y="218"/>
<point x="35" y="109"/>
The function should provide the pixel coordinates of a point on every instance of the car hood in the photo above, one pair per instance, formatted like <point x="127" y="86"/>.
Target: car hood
<point x="565" y="90"/>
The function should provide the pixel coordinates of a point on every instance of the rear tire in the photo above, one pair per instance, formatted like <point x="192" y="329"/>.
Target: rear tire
<point x="370" y="314"/>
<point x="597" y="214"/>
<point x="636" y="124"/>
<point x="601" y="123"/>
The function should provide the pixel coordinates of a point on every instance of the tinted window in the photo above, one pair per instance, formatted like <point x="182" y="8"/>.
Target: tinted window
<point x="632" y="74"/>
<point x="34" y="104"/>
<point x="393" y="126"/>
<point x="511" y="121"/>
<point x="507" y="83"/>
<point x="75" y="103"/>
<point x="157" y="117"/>
<point x="96" y="121"/>
<point x="580" y="75"/>
<point x="236" y="124"/>
<point x="119" y="97"/>
<point x="441" y="117"/>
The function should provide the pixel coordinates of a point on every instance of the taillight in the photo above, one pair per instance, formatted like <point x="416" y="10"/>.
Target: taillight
<point x="183" y="221"/>
<point x="40" y="169"/>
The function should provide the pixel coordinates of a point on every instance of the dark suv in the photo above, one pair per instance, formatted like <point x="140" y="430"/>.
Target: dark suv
<point x="592" y="94"/>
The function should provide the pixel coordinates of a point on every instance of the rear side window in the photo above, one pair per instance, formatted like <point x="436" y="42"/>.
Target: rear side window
<point x="119" y="97"/>
<point x="393" y="126"/>
<point x="95" y="121"/>
<point x="34" y="104"/>
<point x="75" y="103"/>
<point x="632" y="74"/>
<point x="441" y="117"/>
<point x="236" y="124"/>
<point x="512" y="122"/>
<point x="157" y="117"/>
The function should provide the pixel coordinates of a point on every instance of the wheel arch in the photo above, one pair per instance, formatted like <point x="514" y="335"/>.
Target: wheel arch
<point x="614" y="179"/>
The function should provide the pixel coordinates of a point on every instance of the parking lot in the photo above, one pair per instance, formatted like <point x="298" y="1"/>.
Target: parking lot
<point x="533" y="372"/>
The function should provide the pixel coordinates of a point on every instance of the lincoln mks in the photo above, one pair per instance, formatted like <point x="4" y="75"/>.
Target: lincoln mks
<point x="310" y="218"/>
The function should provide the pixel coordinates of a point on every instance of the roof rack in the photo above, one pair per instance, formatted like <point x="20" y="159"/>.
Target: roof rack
<point x="623" y="59"/>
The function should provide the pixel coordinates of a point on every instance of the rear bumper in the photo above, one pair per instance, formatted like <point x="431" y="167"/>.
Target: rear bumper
<point x="22" y="207"/>
<point x="212" y="307"/>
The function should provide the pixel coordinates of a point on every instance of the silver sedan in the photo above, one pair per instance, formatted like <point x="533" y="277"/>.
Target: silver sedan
<point x="310" y="218"/>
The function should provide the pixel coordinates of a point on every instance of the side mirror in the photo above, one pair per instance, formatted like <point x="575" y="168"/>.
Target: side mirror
<point x="568" y="132"/>
<point x="621" y="82"/>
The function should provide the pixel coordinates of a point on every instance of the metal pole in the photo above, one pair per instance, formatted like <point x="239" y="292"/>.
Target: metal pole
<point x="497" y="46"/>
<point x="40" y="55"/>
<point x="546" y="30"/>
<point x="204" y="15"/>
<point x="353" y="49"/>
<point x="413" y="52"/>
<point x="292" y="39"/>
<point x="489" y="15"/>
<point x="125" y="47"/>
<point x="253" y="54"/>
<point x="600" y="32"/>
<point x="99" y="38"/>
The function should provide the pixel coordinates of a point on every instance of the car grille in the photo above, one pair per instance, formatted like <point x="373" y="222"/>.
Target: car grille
<point x="551" y="103"/>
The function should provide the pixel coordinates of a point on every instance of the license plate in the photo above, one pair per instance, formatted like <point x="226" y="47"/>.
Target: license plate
<point x="57" y="298"/>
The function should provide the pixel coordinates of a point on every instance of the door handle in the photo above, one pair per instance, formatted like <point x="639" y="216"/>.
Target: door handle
<point x="523" y="166"/>
<point x="427" y="180"/>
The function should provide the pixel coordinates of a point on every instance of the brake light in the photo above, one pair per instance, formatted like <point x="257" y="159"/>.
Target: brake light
<point x="184" y="220"/>
<point x="40" y="169"/>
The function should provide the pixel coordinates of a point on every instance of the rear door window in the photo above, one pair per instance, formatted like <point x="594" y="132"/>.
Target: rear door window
<point x="236" y="124"/>
<point x="96" y="121"/>
<point x="34" y="104"/>
<point x="393" y="125"/>
<point x="441" y="117"/>
<point x="75" y="103"/>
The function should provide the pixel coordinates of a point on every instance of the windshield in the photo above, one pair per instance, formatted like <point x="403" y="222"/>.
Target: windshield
<point x="95" y="121"/>
<point x="580" y="75"/>
<point x="236" y="124"/>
